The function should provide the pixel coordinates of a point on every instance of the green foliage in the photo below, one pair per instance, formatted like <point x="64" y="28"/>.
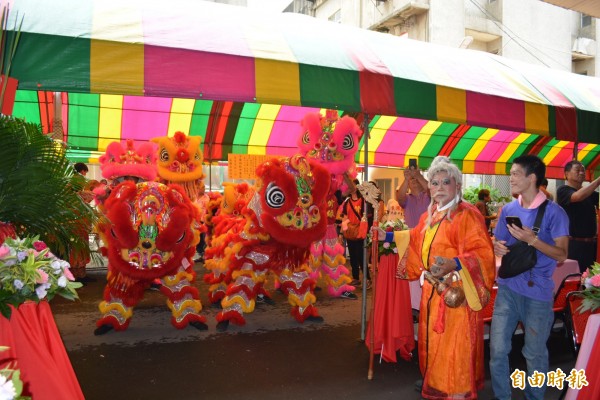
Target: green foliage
<point x="470" y="194"/>
<point x="39" y="189"/>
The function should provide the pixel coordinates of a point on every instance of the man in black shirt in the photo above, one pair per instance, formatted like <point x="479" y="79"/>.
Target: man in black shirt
<point x="581" y="204"/>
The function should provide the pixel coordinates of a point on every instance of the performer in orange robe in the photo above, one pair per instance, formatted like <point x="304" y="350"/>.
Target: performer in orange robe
<point x="451" y="237"/>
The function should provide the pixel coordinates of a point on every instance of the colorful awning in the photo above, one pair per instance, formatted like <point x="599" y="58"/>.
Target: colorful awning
<point x="203" y="50"/>
<point x="92" y="121"/>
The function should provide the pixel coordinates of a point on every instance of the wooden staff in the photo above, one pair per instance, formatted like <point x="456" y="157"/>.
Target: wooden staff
<point x="375" y="258"/>
<point x="371" y="194"/>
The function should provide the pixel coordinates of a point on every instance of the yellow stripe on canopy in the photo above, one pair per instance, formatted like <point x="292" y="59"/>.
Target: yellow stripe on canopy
<point x="536" y="118"/>
<point x="500" y="166"/>
<point x="376" y="135"/>
<point x="421" y="140"/>
<point x="554" y="151"/>
<point x="109" y="119"/>
<point x="265" y="119"/>
<point x="277" y="73"/>
<point x="451" y="104"/>
<point x="469" y="161"/>
<point x="581" y="154"/>
<point x="180" y="118"/>
<point x="117" y="66"/>
<point x="277" y="80"/>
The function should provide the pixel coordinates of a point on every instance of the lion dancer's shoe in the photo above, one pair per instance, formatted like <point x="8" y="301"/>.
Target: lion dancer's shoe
<point x="241" y="295"/>
<point x="332" y="265"/>
<point x="184" y="300"/>
<point x="299" y="287"/>
<point x="121" y="294"/>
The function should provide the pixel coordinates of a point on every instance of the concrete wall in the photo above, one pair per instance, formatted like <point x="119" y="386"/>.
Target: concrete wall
<point x="537" y="32"/>
<point x="447" y="22"/>
<point x="528" y="30"/>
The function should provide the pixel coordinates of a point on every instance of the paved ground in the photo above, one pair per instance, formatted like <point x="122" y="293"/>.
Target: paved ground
<point x="272" y="357"/>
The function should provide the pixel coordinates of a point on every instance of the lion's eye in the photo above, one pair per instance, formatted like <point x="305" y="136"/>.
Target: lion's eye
<point x="348" y="142"/>
<point x="164" y="155"/>
<point x="274" y="196"/>
<point x="305" y="138"/>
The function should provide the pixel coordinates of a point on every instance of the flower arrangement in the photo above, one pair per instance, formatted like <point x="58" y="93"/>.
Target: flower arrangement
<point x="590" y="280"/>
<point x="386" y="248"/>
<point x="29" y="271"/>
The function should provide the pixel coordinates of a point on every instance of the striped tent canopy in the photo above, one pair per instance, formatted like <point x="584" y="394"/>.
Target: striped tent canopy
<point x="91" y="121"/>
<point x="208" y="51"/>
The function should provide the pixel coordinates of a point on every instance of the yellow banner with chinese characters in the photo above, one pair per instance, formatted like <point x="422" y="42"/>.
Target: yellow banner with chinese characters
<point x="243" y="166"/>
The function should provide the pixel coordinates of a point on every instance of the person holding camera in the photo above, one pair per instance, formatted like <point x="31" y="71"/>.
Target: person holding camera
<point x="527" y="296"/>
<point x="416" y="201"/>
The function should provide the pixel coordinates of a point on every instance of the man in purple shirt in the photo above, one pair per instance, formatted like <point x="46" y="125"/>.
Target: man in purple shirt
<point x="416" y="202"/>
<point x="526" y="297"/>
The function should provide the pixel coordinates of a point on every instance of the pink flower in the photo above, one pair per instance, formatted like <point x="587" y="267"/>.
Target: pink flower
<point x="42" y="276"/>
<point x="585" y="274"/>
<point x="4" y="250"/>
<point x="595" y="280"/>
<point x="386" y="245"/>
<point x="68" y="274"/>
<point x="39" y="245"/>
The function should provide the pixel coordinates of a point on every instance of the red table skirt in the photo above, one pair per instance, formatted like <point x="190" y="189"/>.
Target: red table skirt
<point x="592" y="373"/>
<point x="394" y="329"/>
<point x="38" y="350"/>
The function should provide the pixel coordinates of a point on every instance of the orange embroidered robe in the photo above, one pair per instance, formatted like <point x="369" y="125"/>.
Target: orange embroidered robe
<point x="451" y="339"/>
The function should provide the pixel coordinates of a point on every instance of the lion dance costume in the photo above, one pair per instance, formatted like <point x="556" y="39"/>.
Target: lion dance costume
<point x="151" y="234"/>
<point x="331" y="142"/>
<point x="269" y="228"/>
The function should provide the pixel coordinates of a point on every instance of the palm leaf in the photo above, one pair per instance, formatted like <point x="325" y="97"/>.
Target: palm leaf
<point x="38" y="189"/>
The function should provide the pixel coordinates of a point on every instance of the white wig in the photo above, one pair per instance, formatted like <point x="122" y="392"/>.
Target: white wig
<point x="444" y="164"/>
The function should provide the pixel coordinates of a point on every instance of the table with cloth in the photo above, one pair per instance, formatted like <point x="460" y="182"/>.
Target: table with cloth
<point x="35" y="344"/>
<point x="588" y="359"/>
<point x="393" y="321"/>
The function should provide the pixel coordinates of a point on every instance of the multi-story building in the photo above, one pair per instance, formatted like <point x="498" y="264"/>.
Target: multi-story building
<point x="532" y="31"/>
<point x="528" y="30"/>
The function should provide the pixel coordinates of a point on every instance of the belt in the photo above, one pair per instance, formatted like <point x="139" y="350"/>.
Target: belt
<point x="582" y="239"/>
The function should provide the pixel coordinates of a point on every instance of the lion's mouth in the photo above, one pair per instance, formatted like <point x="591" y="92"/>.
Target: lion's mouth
<point x="145" y="260"/>
<point x="300" y="218"/>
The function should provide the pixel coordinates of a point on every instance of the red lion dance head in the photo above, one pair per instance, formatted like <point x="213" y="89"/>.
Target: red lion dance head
<point x="153" y="228"/>
<point x="289" y="201"/>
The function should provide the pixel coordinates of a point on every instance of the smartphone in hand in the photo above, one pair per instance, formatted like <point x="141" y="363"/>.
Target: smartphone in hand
<point x="412" y="163"/>
<point x="512" y="220"/>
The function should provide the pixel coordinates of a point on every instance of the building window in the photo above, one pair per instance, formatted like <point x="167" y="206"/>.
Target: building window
<point x="586" y="20"/>
<point x="336" y="17"/>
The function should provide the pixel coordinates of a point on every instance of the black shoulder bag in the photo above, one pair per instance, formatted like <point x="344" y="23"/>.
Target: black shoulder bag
<point x="522" y="257"/>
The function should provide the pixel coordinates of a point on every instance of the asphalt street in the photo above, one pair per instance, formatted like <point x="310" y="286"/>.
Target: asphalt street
<point x="271" y="357"/>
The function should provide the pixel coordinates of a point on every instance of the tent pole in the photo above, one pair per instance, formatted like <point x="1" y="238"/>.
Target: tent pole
<point x="209" y="138"/>
<point x="365" y="253"/>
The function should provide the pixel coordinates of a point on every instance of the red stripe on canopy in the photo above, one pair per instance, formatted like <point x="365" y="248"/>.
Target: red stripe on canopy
<point x="453" y="140"/>
<point x="503" y="112"/>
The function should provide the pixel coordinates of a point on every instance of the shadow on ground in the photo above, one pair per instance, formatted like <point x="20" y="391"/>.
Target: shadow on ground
<point x="271" y="357"/>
